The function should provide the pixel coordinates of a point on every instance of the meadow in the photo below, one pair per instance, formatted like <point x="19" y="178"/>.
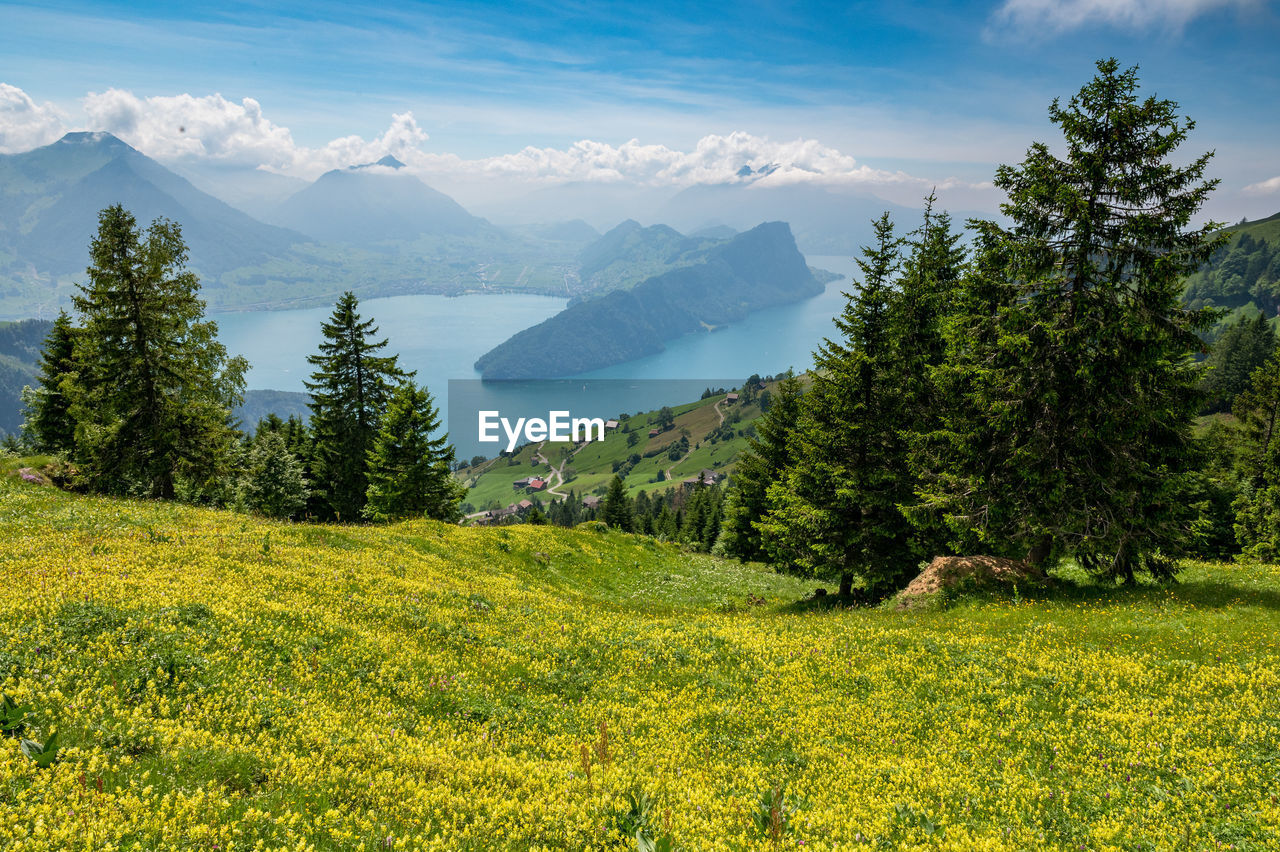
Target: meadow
<point x="220" y="682"/>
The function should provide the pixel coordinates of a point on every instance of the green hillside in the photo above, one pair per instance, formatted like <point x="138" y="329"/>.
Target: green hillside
<point x="1243" y="277"/>
<point x="717" y="432"/>
<point x="217" y="681"/>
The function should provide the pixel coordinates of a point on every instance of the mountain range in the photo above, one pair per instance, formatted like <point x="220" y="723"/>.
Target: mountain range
<point x="374" y="229"/>
<point x="50" y="199"/>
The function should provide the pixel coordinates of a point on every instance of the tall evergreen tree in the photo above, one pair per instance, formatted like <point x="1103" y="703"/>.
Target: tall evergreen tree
<point x="48" y="425"/>
<point x="763" y="462"/>
<point x="926" y="297"/>
<point x="410" y="472"/>
<point x="1086" y="380"/>
<point x="836" y="513"/>
<point x="616" y="509"/>
<point x="350" y="389"/>
<point x="155" y="389"/>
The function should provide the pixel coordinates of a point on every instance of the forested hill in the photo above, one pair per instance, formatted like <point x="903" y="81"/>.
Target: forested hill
<point x="1244" y="275"/>
<point x="631" y="253"/>
<point x="20" y="345"/>
<point x="757" y="269"/>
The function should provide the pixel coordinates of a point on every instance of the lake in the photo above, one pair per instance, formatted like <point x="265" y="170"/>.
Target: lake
<point x="440" y="337"/>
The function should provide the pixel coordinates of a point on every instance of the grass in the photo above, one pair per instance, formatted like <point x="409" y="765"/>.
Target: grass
<point x="220" y="681"/>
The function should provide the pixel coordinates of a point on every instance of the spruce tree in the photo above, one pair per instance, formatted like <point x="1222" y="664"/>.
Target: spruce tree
<point x="154" y="390"/>
<point x="273" y="482"/>
<point x="1084" y="374"/>
<point x="1245" y="346"/>
<point x="616" y="509"/>
<point x="835" y="515"/>
<point x="409" y="471"/>
<point x="49" y="426"/>
<point x="763" y="462"/>
<point x="1257" y="523"/>
<point x="350" y="389"/>
<point x="927" y="295"/>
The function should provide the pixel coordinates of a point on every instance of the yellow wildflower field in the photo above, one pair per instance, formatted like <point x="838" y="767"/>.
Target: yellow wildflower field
<point x="220" y="682"/>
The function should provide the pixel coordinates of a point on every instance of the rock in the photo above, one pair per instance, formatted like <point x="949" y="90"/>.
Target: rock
<point x="27" y="474"/>
<point x="945" y="572"/>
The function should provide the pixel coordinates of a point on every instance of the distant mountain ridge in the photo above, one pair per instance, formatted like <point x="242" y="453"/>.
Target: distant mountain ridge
<point x="374" y="202"/>
<point x="757" y="269"/>
<point x="630" y="253"/>
<point x="54" y="194"/>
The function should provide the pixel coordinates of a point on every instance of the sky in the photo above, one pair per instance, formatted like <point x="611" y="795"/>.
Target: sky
<point x="890" y="98"/>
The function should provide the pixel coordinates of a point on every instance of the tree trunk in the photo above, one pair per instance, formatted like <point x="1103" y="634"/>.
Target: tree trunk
<point x="1040" y="550"/>
<point x="846" y="584"/>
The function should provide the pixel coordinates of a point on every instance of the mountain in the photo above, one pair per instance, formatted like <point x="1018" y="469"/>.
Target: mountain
<point x="50" y="199"/>
<point x="598" y="203"/>
<point x="756" y="269"/>
<point x="254" y="191"/>
<point x="374" y="203"/>
<point x="824" y="220"/>
<point x="630" y="253"/>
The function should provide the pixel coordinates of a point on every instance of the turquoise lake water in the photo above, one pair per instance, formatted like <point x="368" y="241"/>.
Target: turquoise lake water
<point x="440" y="337"/>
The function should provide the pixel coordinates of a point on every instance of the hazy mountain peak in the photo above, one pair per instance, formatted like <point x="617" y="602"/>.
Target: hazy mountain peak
<point x="388" y="161"/>
<point x="97" y="138"/>
<point x="763" y="171"/>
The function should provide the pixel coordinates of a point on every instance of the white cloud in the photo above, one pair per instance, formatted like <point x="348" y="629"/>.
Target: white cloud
<point x="1036" y="16"/>
<point x="737" y="157"/>
<point x="212" y="127"/>
<point x="1265" y="187"/>
<point x="177" y="128"/>
<point x="24" y="124"/>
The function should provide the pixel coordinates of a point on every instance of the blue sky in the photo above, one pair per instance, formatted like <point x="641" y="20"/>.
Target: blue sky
<point x="928" y="89"/>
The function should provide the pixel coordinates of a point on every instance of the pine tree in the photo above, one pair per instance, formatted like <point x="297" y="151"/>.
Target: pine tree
<point x="1257" y="525"/>
<point x="273" y="482"/>
<point x="154" y="389"/>
<point x="616" y="509"/>
<point x="350" y="389"/>
<point x="927" y="295"/>
<point x="1086" y="381"/>
<point x="409" y="471"/>
<point x="49" y="426"/>
<point x="763" y="462"/>
<point x="836" y="513"/>
<point x="1245" y="346"/>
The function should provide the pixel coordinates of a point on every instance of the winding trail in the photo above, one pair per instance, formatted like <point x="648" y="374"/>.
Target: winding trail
<point x="557" y="471"/>
<point x="666" y="475"/>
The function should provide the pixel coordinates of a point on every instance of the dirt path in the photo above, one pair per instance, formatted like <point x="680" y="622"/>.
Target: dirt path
<point x="667" y="473"/>
<point x="554" y="490"/>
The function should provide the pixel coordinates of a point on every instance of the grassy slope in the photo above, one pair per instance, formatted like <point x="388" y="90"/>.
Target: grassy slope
<point x="592" y="465"/>
<point x="231" y="681"/>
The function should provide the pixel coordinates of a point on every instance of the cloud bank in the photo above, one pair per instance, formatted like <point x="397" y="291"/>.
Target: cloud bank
<point x="1265" y="187"/>
<point x="24" y="124"/>
<point x="212" y="127"/>
<point x="1056" y="16"/>
<point x="215" y="129"/>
